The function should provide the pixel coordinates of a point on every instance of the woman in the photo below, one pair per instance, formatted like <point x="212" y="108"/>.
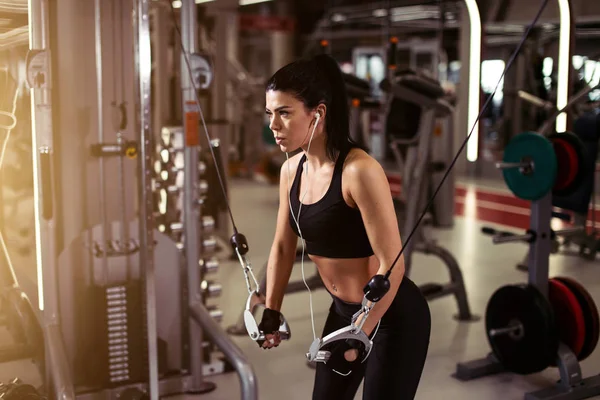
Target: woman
<point x="337" y="198"/>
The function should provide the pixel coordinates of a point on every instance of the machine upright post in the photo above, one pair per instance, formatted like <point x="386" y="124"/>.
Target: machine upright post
<point x="58" y="374"/>
<point x="143" y="62"/>
<point x="539" y="249"/>
<point x="191" y="207"/>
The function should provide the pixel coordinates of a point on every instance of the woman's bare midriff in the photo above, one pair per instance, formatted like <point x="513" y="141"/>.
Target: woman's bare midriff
<point x="345" y="278"/>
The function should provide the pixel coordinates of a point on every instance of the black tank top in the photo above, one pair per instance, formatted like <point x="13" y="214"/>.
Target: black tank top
<point x="330" y="227"/>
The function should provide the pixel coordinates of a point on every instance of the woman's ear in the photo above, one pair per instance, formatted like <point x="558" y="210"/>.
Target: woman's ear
<point x="321" y="110"/>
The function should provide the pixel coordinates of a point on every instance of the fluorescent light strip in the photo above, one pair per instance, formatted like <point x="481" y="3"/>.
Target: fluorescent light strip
<point x="562" y="87"/>
<point x="36" y="187"/>
<point x="474" y="78"/>
<point x="177" y="3"/>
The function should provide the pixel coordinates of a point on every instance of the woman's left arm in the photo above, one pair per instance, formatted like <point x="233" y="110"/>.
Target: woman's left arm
<point x="370" y="190"/>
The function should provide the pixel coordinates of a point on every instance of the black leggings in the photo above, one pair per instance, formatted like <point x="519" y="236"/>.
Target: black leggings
<point x="393" y="369"/>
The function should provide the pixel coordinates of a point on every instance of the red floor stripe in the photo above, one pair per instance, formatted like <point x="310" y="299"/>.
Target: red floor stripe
<point x="494" y="216"/>
<point x="515" y="215"/>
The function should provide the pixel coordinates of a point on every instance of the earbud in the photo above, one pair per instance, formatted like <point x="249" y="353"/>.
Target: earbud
<point x="318" y="115"/>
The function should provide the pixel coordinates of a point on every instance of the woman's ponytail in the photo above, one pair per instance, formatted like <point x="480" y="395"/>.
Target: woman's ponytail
<point x="337" y="118"/>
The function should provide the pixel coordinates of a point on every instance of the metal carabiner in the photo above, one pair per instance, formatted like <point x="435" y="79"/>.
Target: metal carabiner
<point x="255" y="299"/>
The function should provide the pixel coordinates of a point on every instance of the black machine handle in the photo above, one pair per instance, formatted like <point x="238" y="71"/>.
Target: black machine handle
<point x="505" y="236"/>
<point x="561" y="215"/>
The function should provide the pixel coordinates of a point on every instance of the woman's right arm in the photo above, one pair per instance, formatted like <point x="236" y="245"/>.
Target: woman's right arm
<point x="283" y="250"/>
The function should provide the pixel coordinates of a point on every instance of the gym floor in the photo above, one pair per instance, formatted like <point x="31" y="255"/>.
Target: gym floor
<point x="283" y="373"/>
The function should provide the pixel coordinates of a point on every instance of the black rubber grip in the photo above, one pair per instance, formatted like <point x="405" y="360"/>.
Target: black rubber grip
<point x="561" y="215"/>
<point x="488" y="231"/>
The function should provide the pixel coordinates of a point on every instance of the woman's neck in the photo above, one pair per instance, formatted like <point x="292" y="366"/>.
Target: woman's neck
<point x="316" y="155"/>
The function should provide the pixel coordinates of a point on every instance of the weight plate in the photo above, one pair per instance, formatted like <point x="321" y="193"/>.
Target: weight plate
<point x="536" y="183"/>
<point x="133" y="394"/>
<point x="568" y="165"/>
<point x="590" y="316"/>
<point x="532" y="348"/>
<point x="24" y="322"/>
<point x="22" y="392"/>
<point x="582" y="168"/>
<point x="568" y="314"/>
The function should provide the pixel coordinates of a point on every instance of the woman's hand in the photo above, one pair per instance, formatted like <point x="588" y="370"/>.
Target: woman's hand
<point x="271" y="340"/>
<point x="351" y="355"/>
<point x="269" y="325"/>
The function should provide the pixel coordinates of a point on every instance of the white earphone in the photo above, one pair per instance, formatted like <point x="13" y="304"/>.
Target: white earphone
<point x="297" y="220"/>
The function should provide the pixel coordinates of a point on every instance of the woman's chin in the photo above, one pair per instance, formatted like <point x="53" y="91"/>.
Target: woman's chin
<point x="284" y="147"/>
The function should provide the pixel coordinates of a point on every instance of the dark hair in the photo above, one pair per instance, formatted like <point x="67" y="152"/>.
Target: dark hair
<point x="314" y="81"/>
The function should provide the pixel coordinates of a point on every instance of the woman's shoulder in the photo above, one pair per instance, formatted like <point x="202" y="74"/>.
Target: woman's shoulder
<point x="363" y="172"/>
<point x="290" y="165"/>
<point x="359" y="162"/>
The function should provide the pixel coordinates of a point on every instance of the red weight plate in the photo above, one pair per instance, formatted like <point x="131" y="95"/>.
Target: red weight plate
<point x="569" y="315"/>
<point x="568" y="166"/>
<point x="590" y="315"/>
<point x="582" y="168"/>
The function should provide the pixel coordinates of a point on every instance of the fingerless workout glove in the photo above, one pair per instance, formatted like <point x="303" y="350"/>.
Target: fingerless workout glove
<point x="271" y="320"/>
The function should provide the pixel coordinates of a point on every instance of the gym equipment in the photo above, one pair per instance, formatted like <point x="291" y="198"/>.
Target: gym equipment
<point x="314" y="282"/>
<point x="569" y="315"/>
<point x="521" y="329"/>
<point x="579" y="200"/>
<point x="419" y="123"/>
<point x="353" y="332"/>
<point x="508" y="330"/>
<point x="22" y="323"/>
<point x="128" y="318"/>
<point x="529" y="166"/>
<point x="426" y="95"/>
<point x="18" y="390"/>
<point x="572" y="162"/>
<point x="576" y="196"/>
<point x="565" y="155"/>
<point x="590" y="315"/>
<point x="361" y="104"/>
<point x="240" y="246"/>
<point x="133" y="394"/>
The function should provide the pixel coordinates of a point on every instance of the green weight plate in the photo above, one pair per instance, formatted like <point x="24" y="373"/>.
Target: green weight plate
<point x="521" y="329"/>
<point x="534" y="184"/>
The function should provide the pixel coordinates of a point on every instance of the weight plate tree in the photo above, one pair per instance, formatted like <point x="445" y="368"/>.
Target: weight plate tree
<point x="540" y="323"/>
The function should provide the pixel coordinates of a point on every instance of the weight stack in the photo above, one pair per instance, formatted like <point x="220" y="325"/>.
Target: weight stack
<point x="118" y="346"/>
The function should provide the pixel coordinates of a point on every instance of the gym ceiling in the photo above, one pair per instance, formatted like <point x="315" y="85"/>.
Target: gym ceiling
<point x="353" y="20"/>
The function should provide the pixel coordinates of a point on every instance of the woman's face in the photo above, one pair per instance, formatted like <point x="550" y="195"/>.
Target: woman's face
<point x="289" y="120"/>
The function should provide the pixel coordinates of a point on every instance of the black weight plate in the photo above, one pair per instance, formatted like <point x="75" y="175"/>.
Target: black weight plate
<point x="22" y="392"/>
<point x="25" y="322"/>
<point x="536" y="348"/>
<point x="578" y="145"/>
<point x="133" y="394"/>
<point x="590" y="315"/>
